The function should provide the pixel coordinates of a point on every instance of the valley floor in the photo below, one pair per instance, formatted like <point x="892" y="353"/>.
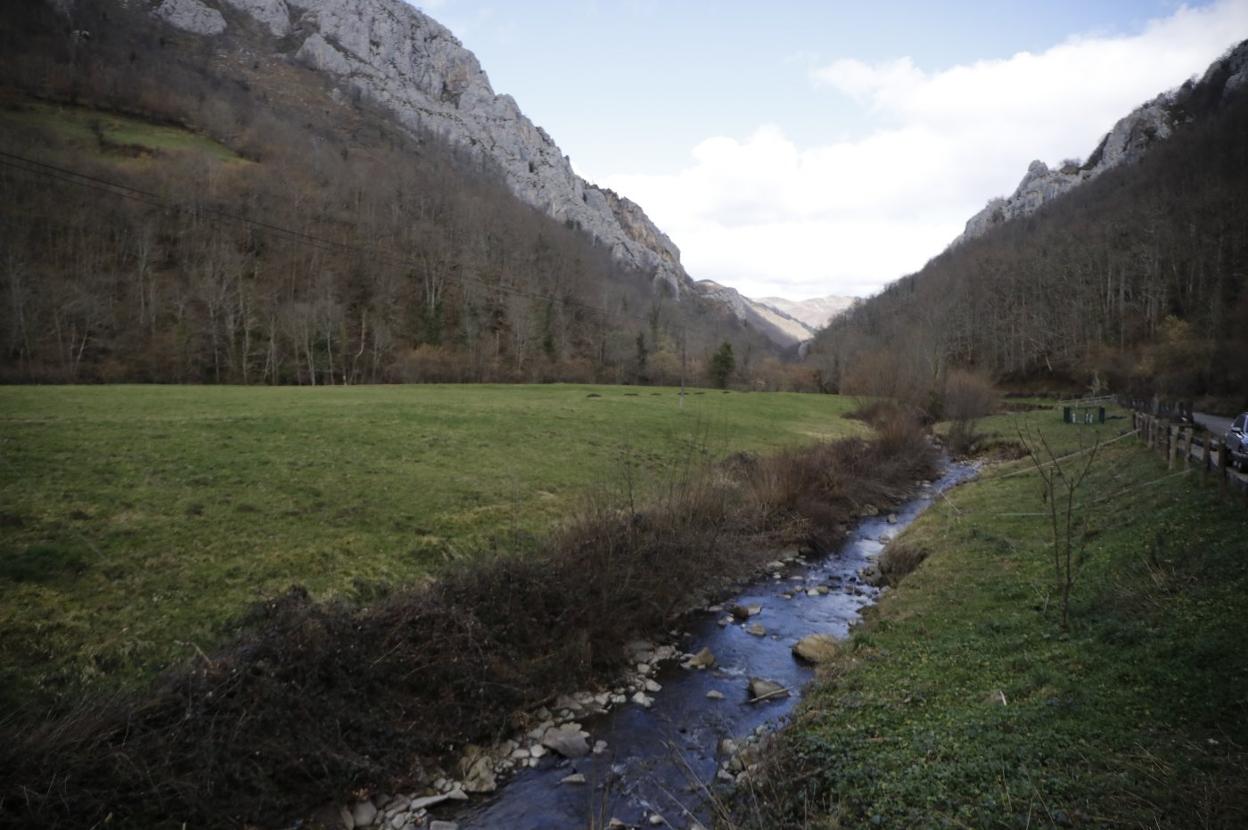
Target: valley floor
<point x="964" y="704"/>
<point x="137" y="521"/>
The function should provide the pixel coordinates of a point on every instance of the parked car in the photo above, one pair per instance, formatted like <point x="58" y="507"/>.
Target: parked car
<point x="1237" y="441"/>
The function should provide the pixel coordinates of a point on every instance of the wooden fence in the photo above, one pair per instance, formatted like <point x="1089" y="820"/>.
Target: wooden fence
<point x="1180" y="444"/>
<point x="1162" y="408"/>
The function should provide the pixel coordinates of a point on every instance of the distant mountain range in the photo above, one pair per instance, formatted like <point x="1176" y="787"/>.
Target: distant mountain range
<point x="784" y="322"/>
<point x="814" y="313"/>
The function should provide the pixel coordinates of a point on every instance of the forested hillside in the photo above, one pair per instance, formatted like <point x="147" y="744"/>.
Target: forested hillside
<point x="1135" y="281"/>
<point x="179" y="209"/>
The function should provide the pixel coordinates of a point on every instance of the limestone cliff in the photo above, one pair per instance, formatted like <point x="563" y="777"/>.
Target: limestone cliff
<point x="1130" y="138"/>
<point x="414" y="67"/>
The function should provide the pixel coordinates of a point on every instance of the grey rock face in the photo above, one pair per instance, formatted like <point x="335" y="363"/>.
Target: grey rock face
<point x="274" y="14"/>
<point x="1129" y="139"/>
<point x="191" y="16"/>
<point x="414" y="67"/>
<point x="1132" y="135"/>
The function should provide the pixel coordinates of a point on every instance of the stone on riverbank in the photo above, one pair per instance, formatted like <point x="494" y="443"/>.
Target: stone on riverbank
<point x="761" y="689"/>
<point x="480" y="777"/>
<point x="364" y="813"/>
<point x="816" y="648"/>
<point x="744" y="612"/>
<point x="704" y="659"/>
<point x="568" y="742"/>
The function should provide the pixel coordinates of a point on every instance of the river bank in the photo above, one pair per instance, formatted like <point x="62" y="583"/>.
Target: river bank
<point x="962" y="703"/>
<point x="664" y="758"/>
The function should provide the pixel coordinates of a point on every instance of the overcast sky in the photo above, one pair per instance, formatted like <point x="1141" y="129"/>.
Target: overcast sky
<point x="809" y="148"/>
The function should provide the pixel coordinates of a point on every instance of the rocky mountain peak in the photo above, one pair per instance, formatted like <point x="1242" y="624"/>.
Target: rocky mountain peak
<point x="1130" y="138"/>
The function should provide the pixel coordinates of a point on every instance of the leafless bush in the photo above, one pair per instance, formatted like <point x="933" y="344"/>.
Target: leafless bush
<point x="433" y="364"/>
<point x="968" y="397"/>
<point x="894" y="373"/>
<point x="875" y="411"/>
<point x="1063" y="491"/>
<point x="826" y="486"/>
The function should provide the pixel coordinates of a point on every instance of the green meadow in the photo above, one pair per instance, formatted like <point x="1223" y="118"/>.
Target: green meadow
<point x="137" y="521"/>
<point x="963" y="703"/>
<point x="93" y="132"/>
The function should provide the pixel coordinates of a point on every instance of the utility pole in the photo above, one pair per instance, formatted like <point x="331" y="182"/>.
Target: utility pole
<point x="684" y="343"/>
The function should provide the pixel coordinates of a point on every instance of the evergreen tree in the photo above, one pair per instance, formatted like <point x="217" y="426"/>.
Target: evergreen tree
<point x="722" y="364"/>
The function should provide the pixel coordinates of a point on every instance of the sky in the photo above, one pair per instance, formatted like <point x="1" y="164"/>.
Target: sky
<point x="803" y="148"/>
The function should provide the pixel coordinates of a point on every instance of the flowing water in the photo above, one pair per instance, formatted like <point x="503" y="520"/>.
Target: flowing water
<point x="658" y="759"/>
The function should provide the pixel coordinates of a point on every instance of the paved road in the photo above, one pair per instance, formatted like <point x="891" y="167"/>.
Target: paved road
<point x="1217" y="425"/>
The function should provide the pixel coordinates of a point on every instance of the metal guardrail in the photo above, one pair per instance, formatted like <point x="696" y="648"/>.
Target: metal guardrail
<point x="1099" y="400"/>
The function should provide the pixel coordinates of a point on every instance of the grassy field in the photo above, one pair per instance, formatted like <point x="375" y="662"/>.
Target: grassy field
<point x="963" y="703"/>
<point x="136" y="520"/>
<point x="91" y="132"/>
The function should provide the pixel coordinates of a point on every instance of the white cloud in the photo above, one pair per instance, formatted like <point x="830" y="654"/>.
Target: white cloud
<point x="769" y="217"/>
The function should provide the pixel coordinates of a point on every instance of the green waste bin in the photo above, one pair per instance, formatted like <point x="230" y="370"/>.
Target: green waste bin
<point x="1083" y="414"/>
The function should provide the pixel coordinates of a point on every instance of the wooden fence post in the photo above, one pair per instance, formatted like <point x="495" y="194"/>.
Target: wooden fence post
<point x="1224" y="478"/>
<point x="1172" y="435"/>
<point x="1187" y="448"/>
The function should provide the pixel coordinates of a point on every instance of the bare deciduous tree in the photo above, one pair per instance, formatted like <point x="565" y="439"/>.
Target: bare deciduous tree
<point x="1063" y="481"/>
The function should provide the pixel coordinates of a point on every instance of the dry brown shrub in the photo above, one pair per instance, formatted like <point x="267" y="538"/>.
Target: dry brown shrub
<point x="968" y="397"/>
<point x="432" y="364"/>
